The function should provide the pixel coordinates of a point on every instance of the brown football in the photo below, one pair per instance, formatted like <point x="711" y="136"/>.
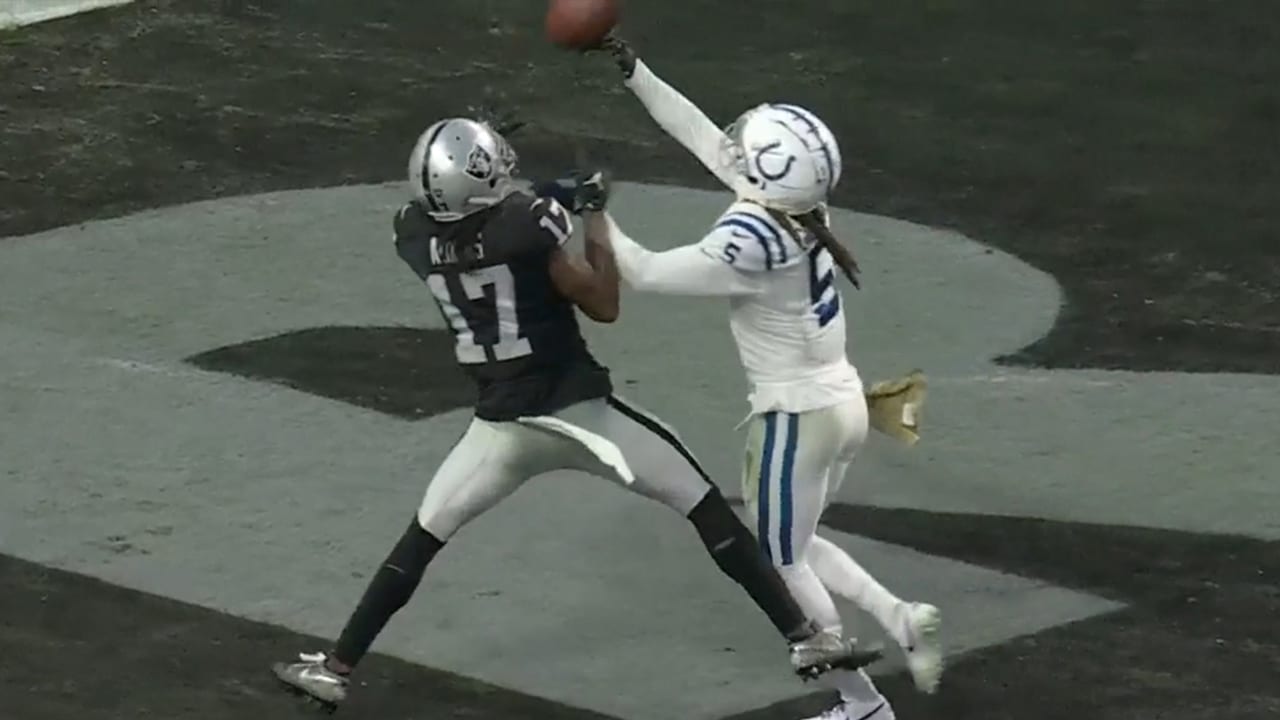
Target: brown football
<point x="580" y="24"/>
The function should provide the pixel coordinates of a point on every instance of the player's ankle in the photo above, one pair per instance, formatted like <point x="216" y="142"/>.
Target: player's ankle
<point x="336" y="666"/>
<point x="803" y="632"/>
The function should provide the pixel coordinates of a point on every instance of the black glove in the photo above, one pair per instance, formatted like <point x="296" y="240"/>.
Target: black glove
<point x="592" y="193"/>
<point x="580" y="192"/>
<point x="622" y="54"/>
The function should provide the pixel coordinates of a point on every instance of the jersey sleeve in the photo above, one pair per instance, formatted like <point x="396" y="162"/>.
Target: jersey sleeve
<point x="748" y="243"/>
<point x="411" y="242"/>
<point x="549" y="224"/>
<point x="400" y="224"/>
<point x="682" y="120"/>
<point x="686" y="270"/>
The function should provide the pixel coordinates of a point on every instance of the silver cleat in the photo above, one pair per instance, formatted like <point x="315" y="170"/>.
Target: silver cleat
<point x="825" y="650"/>
<point x="310" y="677"/>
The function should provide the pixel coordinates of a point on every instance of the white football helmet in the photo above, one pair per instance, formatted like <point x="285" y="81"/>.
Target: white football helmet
<point x="459" y="167"/>
<point x="786" y="158"/>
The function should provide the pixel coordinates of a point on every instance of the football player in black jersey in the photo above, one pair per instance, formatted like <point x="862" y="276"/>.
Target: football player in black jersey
<point x="494" y="260"/>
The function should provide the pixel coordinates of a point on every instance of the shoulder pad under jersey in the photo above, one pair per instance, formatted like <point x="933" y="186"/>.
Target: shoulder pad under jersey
<point x="551" y="224"/>
<point x="747" y="237"/>
<point x="409" y="221"/>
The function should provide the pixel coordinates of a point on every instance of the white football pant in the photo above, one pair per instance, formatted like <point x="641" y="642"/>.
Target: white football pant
<point x="795" y="463"/>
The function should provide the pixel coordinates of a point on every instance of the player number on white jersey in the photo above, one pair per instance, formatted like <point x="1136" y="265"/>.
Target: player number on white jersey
<point x="822" y="286"/>
<point x="493" y="289"/>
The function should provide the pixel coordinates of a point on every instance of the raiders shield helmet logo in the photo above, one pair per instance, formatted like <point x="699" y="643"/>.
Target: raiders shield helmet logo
<point x="479" y="163"/>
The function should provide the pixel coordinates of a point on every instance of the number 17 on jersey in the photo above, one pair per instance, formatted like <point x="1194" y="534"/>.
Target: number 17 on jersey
<point x="480" y="306"/>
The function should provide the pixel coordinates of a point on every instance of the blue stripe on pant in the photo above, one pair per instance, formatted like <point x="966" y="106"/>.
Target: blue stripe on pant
<point x="788" y="465"/>
<point x="786" y="556"/>
<point x="762" y="488"/>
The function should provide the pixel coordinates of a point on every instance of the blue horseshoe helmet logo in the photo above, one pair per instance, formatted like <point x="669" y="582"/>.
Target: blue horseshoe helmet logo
<point x="786" y="169"/>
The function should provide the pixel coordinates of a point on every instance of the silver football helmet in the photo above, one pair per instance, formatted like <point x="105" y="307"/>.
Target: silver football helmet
<point x="460" y="166"/>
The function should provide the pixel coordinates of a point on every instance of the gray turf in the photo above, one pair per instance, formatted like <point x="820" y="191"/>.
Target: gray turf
<point x="122" y="462"/>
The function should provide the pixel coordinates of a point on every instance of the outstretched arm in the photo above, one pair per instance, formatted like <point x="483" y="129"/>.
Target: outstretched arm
<point x="688" y="270"/>
<point x="591" y="285"/>
<point x="673" y="112"/>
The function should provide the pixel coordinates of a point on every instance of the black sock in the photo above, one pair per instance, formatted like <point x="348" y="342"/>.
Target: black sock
<point x="388" y="591"/>
<point x="739" y="556"/>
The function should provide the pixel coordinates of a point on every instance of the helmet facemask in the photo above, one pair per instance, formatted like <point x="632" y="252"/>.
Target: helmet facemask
<point x="733" y="154"/>
<point x="497" y="171"/>
<point x="507" y="160"/>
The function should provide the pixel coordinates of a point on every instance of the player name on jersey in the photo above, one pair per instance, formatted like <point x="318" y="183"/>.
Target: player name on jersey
<point x="448" y="254"/>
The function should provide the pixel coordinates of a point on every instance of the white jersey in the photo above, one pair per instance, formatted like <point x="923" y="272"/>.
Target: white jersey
<point x="791" y="332"/>
<point x="786" y="312"/>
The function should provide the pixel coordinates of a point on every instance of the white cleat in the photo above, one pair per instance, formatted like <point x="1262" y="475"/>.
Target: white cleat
<point x="310" y="677"/>
<point x="924" y="650"/>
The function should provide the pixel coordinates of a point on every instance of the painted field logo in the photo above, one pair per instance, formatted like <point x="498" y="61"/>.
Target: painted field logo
<point x="362" y="398"/>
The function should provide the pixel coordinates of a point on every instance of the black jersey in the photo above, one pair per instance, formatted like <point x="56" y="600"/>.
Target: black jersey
<point x="514" y="333"/>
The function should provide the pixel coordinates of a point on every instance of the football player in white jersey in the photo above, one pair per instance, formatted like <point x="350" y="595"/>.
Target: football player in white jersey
<point x="773" y="255"/>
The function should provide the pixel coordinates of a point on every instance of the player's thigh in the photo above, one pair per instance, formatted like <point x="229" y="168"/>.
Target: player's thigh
<point x="788" y="466"/>
<point x="487" y="464"/>
<point x="664" y="468"/>
<point x="851" y="422"/>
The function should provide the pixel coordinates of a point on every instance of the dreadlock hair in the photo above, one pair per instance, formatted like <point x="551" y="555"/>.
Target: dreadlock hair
<point x="815" y="221"/>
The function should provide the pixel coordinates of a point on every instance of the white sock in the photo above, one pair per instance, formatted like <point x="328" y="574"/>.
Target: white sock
<point x="846" y="578"/>
<point x="811" y="595"/>
<point x="860" y="697"/>
<point x="859" y="694"/>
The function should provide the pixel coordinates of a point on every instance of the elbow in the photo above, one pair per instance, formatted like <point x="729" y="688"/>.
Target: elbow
<point x="647" y="282"/>
<point x="603" y="308"/>
<point x="607" y="314"/>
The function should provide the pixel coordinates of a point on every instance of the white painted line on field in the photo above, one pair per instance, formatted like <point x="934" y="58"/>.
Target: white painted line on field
<point x="17" y="13"/>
